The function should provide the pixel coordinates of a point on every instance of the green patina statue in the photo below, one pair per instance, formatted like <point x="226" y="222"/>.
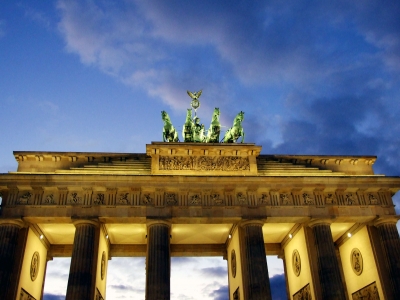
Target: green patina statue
<point x="236" y="131"/>
<point x="195" y="99"/>
<point x="193" y="131"/>
<point x="198" y="131"/>
<point x="187" y="131"/>
<point x="215" y="128"/>
<point x="169" y="132"/>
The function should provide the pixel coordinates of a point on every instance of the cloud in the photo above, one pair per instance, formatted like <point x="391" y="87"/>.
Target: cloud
<point x="214" y="272"/>
<point x="278" y="287"/>
<point x="221" y="293"/>
<point x="36" y="16"/>
<point x="53" y="297"/>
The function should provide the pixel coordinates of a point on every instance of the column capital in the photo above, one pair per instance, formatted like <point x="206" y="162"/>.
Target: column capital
<point x="16" y="222"/>
<point x="316" y="222"/>
<point x="94" y="222"/>
<point x="255" y="222"/>
<point x="386" y="220"/>
<point x="153" y="222"/>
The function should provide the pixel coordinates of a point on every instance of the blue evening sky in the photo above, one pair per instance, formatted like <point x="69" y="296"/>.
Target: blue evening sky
<point x="313" y="77"/>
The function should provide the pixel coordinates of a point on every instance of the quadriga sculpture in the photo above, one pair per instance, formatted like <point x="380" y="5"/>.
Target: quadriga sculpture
<point x="169" y="132"/>
<point x="236" y="131"/>
<point x="187" y="130"/>
<point x="215" y="128"/>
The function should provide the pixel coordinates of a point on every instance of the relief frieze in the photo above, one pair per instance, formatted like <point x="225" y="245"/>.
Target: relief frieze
<point x="303" y="294"/>
<point x="368" y="292"/>
<point x="24" y="199"/>
<point x="123" y="198"/>
<point x="263" y="200"/>
<point x="204" y="163"/>
<point x="216" y="200"/>
<point x="49" y="199"/>
<point x="170" y="199"/>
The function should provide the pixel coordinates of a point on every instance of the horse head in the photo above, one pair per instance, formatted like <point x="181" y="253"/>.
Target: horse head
<point x="165" y="116"/>
<point x="216" y="114"/>
<point x="189" y="115"/>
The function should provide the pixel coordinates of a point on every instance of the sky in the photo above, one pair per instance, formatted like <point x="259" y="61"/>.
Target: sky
<point x="313" y="77"/>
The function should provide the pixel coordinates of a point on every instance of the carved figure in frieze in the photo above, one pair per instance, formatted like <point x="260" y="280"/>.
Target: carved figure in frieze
<point x="215" y="128"/>
<point x="236" y="131"/>
<point x="285" y="200"/>
<point x="24" y="199"/>
<point x="372" y="199"/>
<point x="329" y="199"/>
<point x="263" y="199"/>
<point x="147" y="199"/>
<point x="99" y="199"/>
<point x="195" y="199"/>
<point x="241" y="198"/>
<point x="123" y="198"/>
<point x="176" y="163"/>
<point x="169" y="132"/>
<point x="349" y="199"/>
<point x="74" y="199"/>
<point x="216" y="200"/>
<point x="187" y="131"/>
<point x="170" y="198"/>
<point x="307" y="199"/>
<point x="49" y="199"/>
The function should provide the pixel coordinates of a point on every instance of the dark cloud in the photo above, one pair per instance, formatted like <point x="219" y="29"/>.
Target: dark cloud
<point x="278" y="287"/>
<point x="53" y="297"/>
<point x="215" y="272"/>
<point x="222" y="293"/>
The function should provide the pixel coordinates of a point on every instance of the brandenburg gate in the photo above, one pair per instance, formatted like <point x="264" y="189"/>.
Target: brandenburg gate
<point x="329" y="218"/>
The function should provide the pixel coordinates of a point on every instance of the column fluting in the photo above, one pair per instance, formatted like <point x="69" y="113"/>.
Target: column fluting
<point x="332" y="287"/>
<point x="9" y="230"/>
<point x="158" y="261"/>
<point x="390" y="240"/>
<point x="256" y="284"/>
<point x="82" y="274"/>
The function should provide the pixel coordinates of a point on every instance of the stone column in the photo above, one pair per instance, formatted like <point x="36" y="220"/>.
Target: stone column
<point x="9" y="234"/>
<point x="254" y="262"/>
<point x="158" y="261"/>
<point x="328" y="265"/>
<point x="82" y="273"/>
<point x="390" y="241"/>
